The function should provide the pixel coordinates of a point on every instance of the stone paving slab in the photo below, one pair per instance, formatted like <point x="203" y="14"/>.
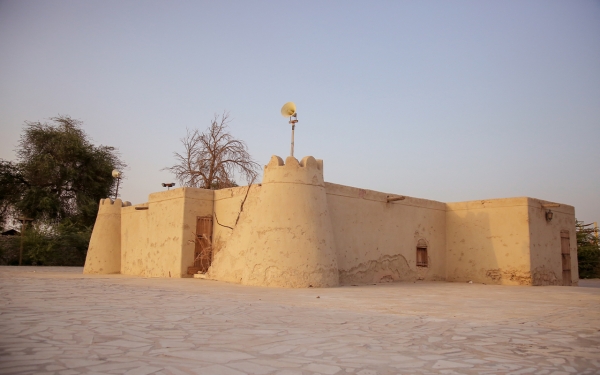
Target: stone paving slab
<point x="58" y="321"/>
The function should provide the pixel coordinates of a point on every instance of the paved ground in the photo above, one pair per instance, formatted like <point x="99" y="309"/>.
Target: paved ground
<point x="58" y="321"/>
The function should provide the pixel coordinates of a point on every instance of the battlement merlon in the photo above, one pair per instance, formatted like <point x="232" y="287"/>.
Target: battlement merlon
<point x="306" y="171"/>
<point x="109" y="206"/>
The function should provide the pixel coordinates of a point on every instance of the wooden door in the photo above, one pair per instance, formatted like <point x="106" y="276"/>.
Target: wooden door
<point x="565" y="249"/>
<point x="203" y="248"/>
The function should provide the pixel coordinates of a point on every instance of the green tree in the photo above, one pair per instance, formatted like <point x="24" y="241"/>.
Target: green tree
<point x="64" y="173"/>
<point x="12" y="184"/>
<point x="58" y="179"/>
<point x="588" y="251"/>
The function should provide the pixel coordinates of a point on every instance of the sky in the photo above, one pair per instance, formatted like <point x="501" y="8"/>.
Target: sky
<point x="443" y="100"/>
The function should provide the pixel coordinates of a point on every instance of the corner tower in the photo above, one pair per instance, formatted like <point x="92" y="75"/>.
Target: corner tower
<point x="285" y="235"/>
<point x="104" y="251"/>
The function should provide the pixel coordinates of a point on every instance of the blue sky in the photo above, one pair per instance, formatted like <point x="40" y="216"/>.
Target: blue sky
<point x="444" y="100"/>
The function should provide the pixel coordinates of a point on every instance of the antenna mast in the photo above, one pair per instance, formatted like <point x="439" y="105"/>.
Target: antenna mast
<point x="289" y="109"/>
<point x="293" y="122"/>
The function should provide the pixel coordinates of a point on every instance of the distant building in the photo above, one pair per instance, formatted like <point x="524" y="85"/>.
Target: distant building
<point x="295" y="230"/>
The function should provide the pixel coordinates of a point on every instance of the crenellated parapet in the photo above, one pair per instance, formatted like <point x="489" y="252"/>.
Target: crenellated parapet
<point x="306" y="171"/>
<point x="109" y="205"/>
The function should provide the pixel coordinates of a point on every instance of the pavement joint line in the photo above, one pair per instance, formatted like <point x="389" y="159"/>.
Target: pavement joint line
<point x="166" y="326"/>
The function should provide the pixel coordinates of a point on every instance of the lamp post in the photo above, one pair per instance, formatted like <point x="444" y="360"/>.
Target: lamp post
<point x="23" y="221"/>
<point x="117" y="174"/>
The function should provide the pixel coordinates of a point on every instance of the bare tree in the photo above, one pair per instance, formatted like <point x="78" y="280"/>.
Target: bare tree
<point x="211" y="158"/>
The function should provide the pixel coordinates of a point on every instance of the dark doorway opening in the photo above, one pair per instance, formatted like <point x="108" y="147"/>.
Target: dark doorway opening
<point x="565" y="244"/>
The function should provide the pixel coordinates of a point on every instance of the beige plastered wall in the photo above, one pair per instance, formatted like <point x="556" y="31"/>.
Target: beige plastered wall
<point x="545" y="240"/>
<point x="487" y="241"/>
<point x="376" y="241"/>
<point x="159" y="241"/>
<point x="229" y="263"/>
<point x="507" y="242"/>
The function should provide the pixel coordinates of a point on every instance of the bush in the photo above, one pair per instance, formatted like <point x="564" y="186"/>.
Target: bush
<point x="589" y="262"/>
<point x="64" y="246"/>
<point x="588" y="251"/>
<point x="9" y="250"/>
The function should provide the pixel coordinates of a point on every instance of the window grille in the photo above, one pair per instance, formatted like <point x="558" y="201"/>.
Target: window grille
<point x="421" y="256"/>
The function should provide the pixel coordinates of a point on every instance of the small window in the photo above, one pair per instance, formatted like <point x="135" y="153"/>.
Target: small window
<point x="421" y="256"/>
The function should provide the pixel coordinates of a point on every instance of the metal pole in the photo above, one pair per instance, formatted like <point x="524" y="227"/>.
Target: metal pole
<point x="117" y="192"/>
<point x="293" y="127"/>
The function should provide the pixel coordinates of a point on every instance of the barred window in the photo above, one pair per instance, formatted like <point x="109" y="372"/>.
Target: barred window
<point x="422" y="254"/>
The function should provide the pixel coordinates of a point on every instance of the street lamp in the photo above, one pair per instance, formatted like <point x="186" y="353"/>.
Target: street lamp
<point x="168" y="185"/>
<point x="117" y="174"/>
